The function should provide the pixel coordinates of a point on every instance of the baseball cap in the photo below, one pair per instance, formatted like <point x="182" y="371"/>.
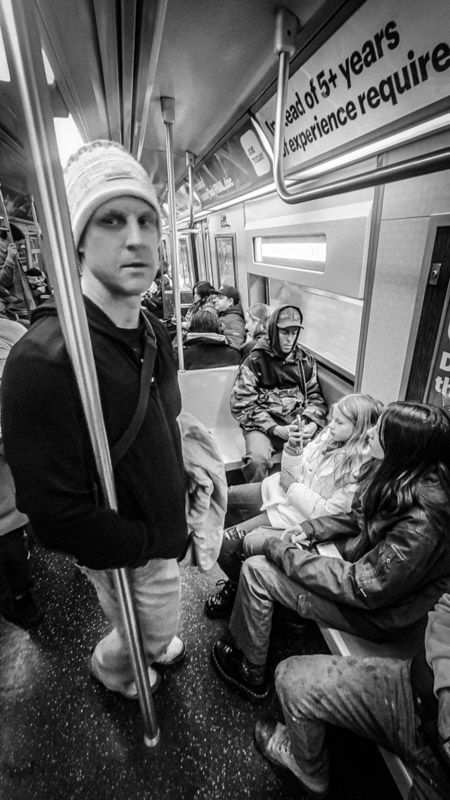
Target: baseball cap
<point x="290" y="317"/>
<point x="229" y="291"/>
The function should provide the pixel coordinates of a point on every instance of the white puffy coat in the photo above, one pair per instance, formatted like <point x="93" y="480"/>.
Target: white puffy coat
<point x="315" y="493"/>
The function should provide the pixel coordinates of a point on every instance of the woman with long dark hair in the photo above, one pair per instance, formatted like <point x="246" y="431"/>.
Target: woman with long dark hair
<point x="395" y="547"/>
<point x="203" y="295"/>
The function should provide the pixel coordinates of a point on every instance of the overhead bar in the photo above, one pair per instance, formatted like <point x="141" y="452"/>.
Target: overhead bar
<point x="409" y="168"/>
<point x="19" y="24"/>
<point x="168" y="115"/>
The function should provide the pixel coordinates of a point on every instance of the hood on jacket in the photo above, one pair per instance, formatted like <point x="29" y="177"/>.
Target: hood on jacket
<point x="273" y="335"/>
<point x="206" y="338"/>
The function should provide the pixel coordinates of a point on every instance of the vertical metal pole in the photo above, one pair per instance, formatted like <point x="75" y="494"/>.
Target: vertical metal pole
<point x="20" y="27"/>
<point x="35" y="220"/>
<point x="190" y="162"/>
<point x="168" y="115"/>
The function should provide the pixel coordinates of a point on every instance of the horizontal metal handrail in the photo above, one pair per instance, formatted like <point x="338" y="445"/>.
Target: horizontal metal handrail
<point x="409" y="168"/>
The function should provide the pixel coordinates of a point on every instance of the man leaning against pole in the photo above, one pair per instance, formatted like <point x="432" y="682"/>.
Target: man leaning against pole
<point x="116" y="228"/>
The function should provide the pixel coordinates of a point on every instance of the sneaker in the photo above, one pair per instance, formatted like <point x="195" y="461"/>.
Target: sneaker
<point x="221" y="603"/>
<point x="272" y="739"/>
<point x="229" y="663"/>
<point x="130" y="690"/>
<point x="234" y="534"/>
<point x="174" y="654"/>
<point x="21" y="611"/>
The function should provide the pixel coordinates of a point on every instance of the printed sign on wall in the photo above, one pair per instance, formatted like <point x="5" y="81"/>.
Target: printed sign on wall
<point x="439" y="386"/>
<point x="387" y="61"/>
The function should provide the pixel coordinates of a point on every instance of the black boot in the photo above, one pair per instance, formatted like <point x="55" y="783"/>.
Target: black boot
<point x="221" y="603"/>
<point x="21" y="611"/>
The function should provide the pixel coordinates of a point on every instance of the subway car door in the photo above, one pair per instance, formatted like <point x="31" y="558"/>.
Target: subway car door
<point x="429" y="378"/>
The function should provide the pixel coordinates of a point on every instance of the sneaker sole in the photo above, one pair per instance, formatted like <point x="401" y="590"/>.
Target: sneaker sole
<point x="175" y="661"/>
<point x="96" y="679"/>
<point x="255" y="697"/>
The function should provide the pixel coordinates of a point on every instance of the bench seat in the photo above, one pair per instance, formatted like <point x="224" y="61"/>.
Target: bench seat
<point x="206" y="394"/>
<point x="345" y="644"/>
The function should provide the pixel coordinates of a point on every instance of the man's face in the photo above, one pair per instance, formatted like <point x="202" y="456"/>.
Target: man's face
<point x="222" y="302"/>
<point x="119" y="248"/>
<point x="287" y="338"/>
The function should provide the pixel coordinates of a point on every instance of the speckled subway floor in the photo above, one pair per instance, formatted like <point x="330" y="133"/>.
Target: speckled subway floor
<point x="63" y="737"/>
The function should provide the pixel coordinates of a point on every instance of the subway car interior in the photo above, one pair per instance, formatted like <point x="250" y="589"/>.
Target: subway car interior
<point x="301" y="154"/>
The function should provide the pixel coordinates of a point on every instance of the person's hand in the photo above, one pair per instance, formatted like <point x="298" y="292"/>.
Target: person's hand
<point x="12" y="250"/>
<point x="295" y="438"/>
<point x="286" y="480"/>
<point x="282" y="431"/>
<point x="444" y="713"/>
<point x="309" y="431"/>
<point x="294" y="534"/>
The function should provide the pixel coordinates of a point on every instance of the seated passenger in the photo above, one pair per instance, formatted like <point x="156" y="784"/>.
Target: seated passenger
<point x="152" y="299"/>
<point x="395" y="547"/>
<point x="276" y="382"/>
<point x="229" y="309"/>
<point x="256" y="319"/>
<point x="400" y="705"/>
<point x="38" y="285"/>
<point x="204" y="297"/>
<point x="205" y="346"/>
<point x="315" y="481"/>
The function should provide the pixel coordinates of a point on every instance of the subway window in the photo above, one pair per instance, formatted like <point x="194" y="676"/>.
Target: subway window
<point x="302" y="252"/>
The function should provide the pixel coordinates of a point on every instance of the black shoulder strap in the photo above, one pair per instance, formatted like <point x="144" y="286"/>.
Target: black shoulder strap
<point x="119" y="449"/>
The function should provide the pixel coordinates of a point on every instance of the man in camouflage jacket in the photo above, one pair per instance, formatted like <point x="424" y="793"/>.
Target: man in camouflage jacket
<point x="276" y="383"/>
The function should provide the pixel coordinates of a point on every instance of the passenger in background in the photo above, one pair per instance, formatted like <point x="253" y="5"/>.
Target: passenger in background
<point x="395" y="547"/>
<point x="229" y="309"/>
<point x="256" y="319"/>
<point x="38" y="285"/>
<point x="152" y="299"/>
<point x="17" y="603"/>
<point x="205" y="346"/>
<point x="276" y="383"/>
<point x="10" y="277"/>
<point x="204" y="297"/>
<point x="400" y="705"/>
<point x="316" y="481"/>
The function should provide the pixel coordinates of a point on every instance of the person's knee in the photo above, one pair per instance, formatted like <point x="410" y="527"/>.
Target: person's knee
<point x="253" y="542"/>
<point x="255" y="466"/>
<point x="295" y="676"/>
<point x="252" y="571"/>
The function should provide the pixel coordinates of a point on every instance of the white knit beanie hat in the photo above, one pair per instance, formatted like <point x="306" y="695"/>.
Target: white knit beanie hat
<point x="99" y="171"/>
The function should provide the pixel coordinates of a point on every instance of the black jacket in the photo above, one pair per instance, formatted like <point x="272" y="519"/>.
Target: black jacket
<point x="233" y="325"/>
<point x="48" y="449"/>
<point x="203" y="350"/>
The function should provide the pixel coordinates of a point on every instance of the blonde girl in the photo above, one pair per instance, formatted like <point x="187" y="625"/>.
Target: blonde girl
<point x="315" y="481"/>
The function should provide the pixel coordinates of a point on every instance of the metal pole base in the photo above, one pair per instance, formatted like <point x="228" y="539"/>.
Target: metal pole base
<point x="153" y="743"/>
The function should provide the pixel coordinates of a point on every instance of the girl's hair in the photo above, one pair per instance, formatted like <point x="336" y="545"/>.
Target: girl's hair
<point x="363" y="412"/>
<point x="262" y="313"/>
<point x="415" y="438"/>
<point x="203" y="289"/>
<point x="205" y="320"/>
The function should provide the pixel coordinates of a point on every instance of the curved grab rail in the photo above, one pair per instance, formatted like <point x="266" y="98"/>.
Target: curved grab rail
<point x="409" y="168"/>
